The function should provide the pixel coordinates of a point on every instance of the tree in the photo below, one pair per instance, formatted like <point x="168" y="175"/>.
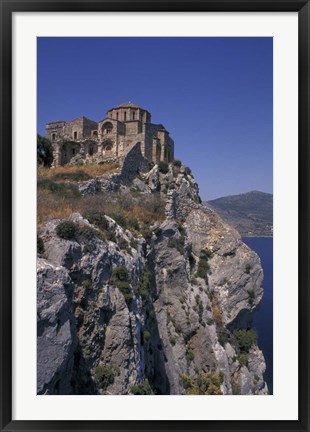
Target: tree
<point x="44" y="151"/>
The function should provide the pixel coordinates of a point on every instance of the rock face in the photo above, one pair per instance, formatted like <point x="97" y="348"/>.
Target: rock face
<point x="166" y="313"/>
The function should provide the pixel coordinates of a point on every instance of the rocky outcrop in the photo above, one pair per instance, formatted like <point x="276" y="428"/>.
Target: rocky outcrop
<point x="167" y="312"/>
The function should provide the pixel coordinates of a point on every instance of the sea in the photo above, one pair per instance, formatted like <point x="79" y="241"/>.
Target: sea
<point x="263" y="320"/>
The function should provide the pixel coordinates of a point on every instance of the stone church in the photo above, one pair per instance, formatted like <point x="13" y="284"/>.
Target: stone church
<point x="85" y="141"/>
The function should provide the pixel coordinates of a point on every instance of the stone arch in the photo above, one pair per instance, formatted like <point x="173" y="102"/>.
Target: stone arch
<point x="107" y="128"/>
<point x="90" y="148"/>
<point x="107" y="146"/>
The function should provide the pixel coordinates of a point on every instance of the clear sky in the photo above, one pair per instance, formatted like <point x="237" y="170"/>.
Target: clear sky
<point x="214" y="96"/>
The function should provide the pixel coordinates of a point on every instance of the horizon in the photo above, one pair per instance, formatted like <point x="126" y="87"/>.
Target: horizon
<point x="204" y="90"/>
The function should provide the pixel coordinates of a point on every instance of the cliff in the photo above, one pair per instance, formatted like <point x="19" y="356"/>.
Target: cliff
<point x="163" y="308"/>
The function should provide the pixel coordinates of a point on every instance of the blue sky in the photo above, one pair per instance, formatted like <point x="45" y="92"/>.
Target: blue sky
<point x="214" y="96"/>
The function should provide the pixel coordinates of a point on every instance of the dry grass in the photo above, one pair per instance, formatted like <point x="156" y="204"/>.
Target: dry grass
<point x="91" y="170"/>
<point x="216" y="311"/>
<point x="147" y="209"/>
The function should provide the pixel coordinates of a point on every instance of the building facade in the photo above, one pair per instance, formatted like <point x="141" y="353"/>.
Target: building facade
<point x="124" y="126"/>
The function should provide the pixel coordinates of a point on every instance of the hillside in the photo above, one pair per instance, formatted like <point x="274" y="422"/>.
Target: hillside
<point x="251" y="213"/>
<point x="141" y="289"/>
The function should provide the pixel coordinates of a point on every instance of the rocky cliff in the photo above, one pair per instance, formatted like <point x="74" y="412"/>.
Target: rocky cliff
<point x="163" y="310"/>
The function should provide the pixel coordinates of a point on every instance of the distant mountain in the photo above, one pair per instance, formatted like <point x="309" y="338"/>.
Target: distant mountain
<point x="250" y="213"/>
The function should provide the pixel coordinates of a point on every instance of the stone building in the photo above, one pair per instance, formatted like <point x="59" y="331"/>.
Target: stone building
<point x="86" y="141"/>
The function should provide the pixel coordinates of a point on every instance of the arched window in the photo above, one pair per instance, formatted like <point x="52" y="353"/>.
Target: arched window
<point x="75" y="135"/>
<point x="117" y="116"/>
<point x="107" y="146"/>
<point x="125" y="116"/>
<point x="107" y="128"/>
<point x="133" y="115"/>
<point x="95" y="133"/>
<point x="53" y="136"/>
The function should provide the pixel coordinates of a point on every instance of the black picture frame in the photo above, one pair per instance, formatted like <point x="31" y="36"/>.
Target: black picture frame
<point x="7" y="9"/>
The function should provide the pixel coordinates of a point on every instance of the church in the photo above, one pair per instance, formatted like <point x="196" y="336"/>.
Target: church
<point x="85" y="141"/>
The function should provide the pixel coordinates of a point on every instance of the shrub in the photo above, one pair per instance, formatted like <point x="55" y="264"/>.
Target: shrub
<point x="144" y="285"/>
<point x="247" y="268"/>
<point x="87" y="284"/>
<point x="205" y="384"/>
<point x="190" y="356"/>
<point x="40" y="245"/>
<point x="177" y="163"/>
<point x="119" y="219"/>
<point x="104" y="376"/>
<point x="63" y="191"/>
<point x="172" y="340"/>
<point x="120" y="278"/>
<point x="223" y="335"/>
<point x="97" y="218"/>
<point x="177" y="243"/>
<point x="86" y="233"/>
<point x="163" y="167"/>
<point x="243" y="359"/>
<point x="251" y="298"/>
<point x="120" y="274"/>
<point x="67" y="230"/>
<point x="87" y="351"/>
<point x="74" y="176"/>
<point x="188" y="171"/>
<point x="141" y="389"/>
<point x="44" y="151"/>
<point x="146" y="336"/>
<point x="255" y="379"/>
<point x="185" y="381"/>
<point x="236" y="389"/>
<point x="203" y="266"/>
<point x="245" y="338"/>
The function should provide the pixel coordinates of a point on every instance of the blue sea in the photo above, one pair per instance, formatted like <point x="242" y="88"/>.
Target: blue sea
<point x="263" y="320"/>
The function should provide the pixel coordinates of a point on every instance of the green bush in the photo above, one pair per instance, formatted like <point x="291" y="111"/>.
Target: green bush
<point x="203" y="265"/>
<point x="74" y="176"/>
<point x="67" y="230"/>
<point x="87" y="284"/>
<point x="190" y="356"/>
<point x="97" y="218"/>
<point x="40" y="245"/>
<point x="188" y="171"/>
<point x="146" y="336"/>
<point x="247" y="268"/>
<point x="120" y="274"/>
<point x="44" y="151"/>
<point x="246" y="339"/>
<point x="86" y="234"/>
<point x="60" y="189"/>
<point x="204" y="384"/>
<point x="144" y="285"/>
<point x="141" y="389"/>
<point x="251" y="298"/>
<point x="120" y="279"/>
<point x="104" y="376"/>
<point x="177" y="243"/>
<point x="87" y="351"/>
<point x="119" y="219"/>
<point x="243" y="359"/>
<point x="172" y="340"/>
<point x="177" y="163"/>
<point x="163" y="167"/>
